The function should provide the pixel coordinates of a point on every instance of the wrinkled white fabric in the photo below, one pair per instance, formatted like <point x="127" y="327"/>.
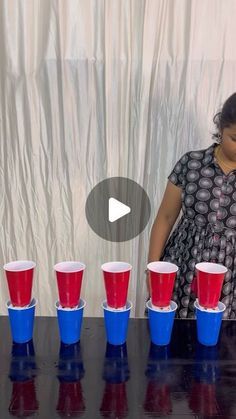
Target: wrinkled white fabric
<point x="91" y="89"/>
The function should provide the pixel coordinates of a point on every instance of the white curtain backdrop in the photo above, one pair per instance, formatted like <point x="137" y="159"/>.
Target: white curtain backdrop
<point x="91" y="89"/>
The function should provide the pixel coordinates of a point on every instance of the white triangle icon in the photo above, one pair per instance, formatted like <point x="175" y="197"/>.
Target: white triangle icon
<point x="117" y="210"/>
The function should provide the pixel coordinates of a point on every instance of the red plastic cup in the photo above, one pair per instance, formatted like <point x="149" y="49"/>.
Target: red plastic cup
<point x="161" y="279"/>
<point x="69" y="281"/>
<point x="20" y="279"/>
<point x="210" y="278"/>
<point x="116" y="278"/>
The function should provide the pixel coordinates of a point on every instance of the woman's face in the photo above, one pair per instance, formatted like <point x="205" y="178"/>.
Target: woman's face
<point x="228" y="144"/>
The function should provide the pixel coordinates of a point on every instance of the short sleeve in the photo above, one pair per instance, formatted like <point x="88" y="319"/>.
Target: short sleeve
<point x="177" y="175"/>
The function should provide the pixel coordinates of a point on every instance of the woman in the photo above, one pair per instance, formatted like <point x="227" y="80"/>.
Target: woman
<point x="202" y="185"/>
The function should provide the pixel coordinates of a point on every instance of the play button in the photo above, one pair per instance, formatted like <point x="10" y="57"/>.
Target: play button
<point x="118" y="209"/>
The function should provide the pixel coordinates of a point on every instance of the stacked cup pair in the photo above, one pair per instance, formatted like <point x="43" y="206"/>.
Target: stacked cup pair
<point x="21" y="306"/>
<point x="209" y="310"/>
<point x="116" y="307"/>
<point x="161" y="309"/>
<point x="70" y="306"/>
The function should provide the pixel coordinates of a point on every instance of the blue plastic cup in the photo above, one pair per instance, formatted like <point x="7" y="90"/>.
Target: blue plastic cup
<point x="116" y="323"/>
<point x="21" y="321"/>
<point x="208" y="323"/>
<point x="161" y="323"/>
<point x="70" y="322"/>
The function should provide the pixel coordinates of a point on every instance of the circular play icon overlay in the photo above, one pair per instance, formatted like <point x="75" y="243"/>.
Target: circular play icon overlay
<point x="118" y="209"/>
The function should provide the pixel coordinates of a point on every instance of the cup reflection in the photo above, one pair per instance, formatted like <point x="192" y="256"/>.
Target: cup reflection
<point x="70" y="372"/>
<point x="70" y="399"/>
<point x="23" y="399"/>
<point x="202" y="399"/>
<point x="115" y="374"/>
<point x="70" y="367"/>
<point x="22" y="373"/>
<point x="116" y="368"/>
<point x="157" y="400"/>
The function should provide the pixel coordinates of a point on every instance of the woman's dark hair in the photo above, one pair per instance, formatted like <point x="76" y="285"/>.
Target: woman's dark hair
<point x="225" y="117"/>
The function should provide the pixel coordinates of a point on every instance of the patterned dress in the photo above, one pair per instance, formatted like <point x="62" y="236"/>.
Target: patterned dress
<point x="207" y="228"/>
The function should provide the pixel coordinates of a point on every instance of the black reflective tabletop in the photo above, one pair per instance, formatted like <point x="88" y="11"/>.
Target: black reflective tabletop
<point x="93" y="379"/>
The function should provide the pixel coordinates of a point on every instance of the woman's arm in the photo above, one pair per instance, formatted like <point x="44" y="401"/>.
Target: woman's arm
<point x="164" y="221"/>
